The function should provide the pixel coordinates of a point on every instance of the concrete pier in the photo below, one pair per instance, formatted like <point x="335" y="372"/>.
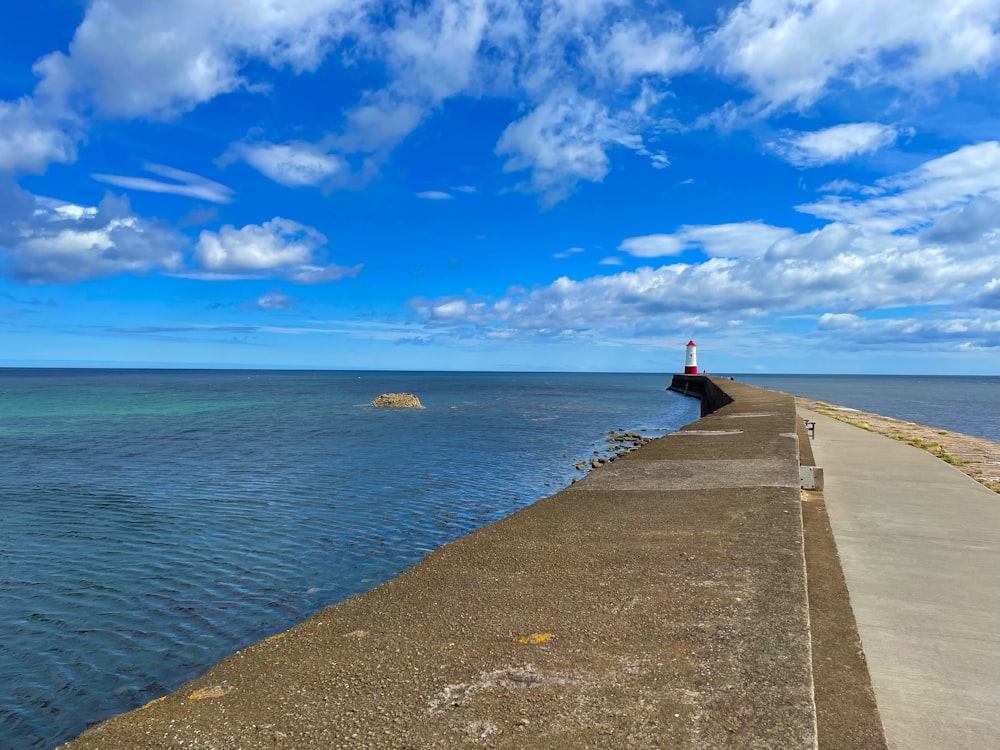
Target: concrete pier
<point x="658" y="603"/>
<point x="686" y="595"/>
<point x="920" y="547"/>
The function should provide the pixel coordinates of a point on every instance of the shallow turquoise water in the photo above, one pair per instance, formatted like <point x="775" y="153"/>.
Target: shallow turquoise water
<point x="155" y="521"/>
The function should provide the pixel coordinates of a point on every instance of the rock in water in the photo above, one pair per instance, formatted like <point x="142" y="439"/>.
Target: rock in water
<point x="402" y="400"/>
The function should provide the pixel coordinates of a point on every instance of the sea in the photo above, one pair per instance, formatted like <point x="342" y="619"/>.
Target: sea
<point x="153" y="522"/>
<point x="967" y="404"/>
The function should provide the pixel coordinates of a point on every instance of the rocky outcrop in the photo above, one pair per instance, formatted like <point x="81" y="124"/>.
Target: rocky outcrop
<point x="618" y="444"/>
<point x="399" y="400"/>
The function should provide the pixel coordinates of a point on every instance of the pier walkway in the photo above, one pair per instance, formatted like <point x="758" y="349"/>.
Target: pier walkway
<point x="920" y="548"/>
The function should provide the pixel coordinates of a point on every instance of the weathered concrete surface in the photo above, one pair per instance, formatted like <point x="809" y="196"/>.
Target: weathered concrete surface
<point x="920" y="547"/>
<point x="623" y="612"/>
<point x="847" y="716"/>
<point x="974" y="456"/>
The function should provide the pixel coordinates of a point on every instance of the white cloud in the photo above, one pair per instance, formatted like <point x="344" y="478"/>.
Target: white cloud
<point x="852" y="281"/>
<point x="840" y="186"/>
<point x="716" y="240"/>
<point x="293" y="164"/>
<point x="158" y="60"/>
<point x="838" y="143"/>
<point x="431" y="53"/>
<point x="185" y="183"/>
<point x="435" y="52"/>
<point x="633" y="49"/>
<point x="279" y="247"/>
<point x="592" y="75"/>
<point x="563" y="141"/>
<point x="553" y="55"/>
<point x="952" y="331"/>
<point x="834" y="274"/>
<point x="311" y="273"/>
<point x="989" y="296"/>
<point x="56" y="242"/>
<point x="378" y="123"/>
<point x="31" y="139"/>
<point x="568" y="253"/>
<point x="790" y="51"/>
<point x="821" y="243"/>
<point x="967" y="223"/>
<point x="434" y="195"/>
<point x="273" y="300"/>
<point x="652" y="246"/>
<point x="911" y="200"/>
<point x="838" y="321"/>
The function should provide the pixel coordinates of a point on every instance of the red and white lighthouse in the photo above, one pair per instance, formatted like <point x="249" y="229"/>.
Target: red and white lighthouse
<point x="691" y="359"/>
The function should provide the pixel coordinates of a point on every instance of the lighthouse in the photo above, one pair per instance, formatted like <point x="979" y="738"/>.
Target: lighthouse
<point x="691" y="359"/>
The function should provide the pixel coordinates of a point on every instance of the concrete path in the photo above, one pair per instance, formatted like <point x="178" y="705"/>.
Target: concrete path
<point x="920" y="547"/>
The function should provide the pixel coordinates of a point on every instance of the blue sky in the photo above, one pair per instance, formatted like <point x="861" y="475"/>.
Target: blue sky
<point x="502" y="184"/>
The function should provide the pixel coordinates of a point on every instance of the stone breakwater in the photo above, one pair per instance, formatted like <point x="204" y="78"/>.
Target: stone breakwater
<point x="976" y="457"/>
<point x="617" y="444"/>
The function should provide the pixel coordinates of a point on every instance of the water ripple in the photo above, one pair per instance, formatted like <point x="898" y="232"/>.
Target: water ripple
<point x="155" y="522"/>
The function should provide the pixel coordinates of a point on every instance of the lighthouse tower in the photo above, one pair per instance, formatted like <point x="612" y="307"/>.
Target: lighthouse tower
<point x="691" y="359"/>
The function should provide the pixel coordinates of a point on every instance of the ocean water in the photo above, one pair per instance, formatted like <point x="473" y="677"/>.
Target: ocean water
<point x="153" y="522"/>
<point x="965" y="404"/>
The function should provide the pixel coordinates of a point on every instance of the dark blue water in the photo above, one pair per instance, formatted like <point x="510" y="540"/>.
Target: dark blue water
<point x="153" y="522"/>
<point x="962" y="404"/>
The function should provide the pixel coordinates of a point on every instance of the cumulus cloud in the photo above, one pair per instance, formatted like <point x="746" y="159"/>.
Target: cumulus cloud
<point x="836" y="321"/>
<point x="169" y="57"/>
<point x="593" y="76"/>
<point x="633" y="49"/>
<point x="294" y="164"/>
<point x="851" y="282"/>
<point x="837" y="273"/>
<point x="31" y="139"/>
<point x="279" y="247"/>
<point x="967" y="223"/>
<point x="909" y="200"/>
<point x="435" y="195"/>
<point x="58" y="242"/>
<point x="183" y="183"/>
<point x="952" y="331"/>
<point x="821" y="243"/>
<point x="989" y="296"/>
<point x="716" y="240"/>
<point x="789" y="52"/>
<point x="564" y="141"/>
<point x="838" y="143"/>
<point x="551" y="54"/>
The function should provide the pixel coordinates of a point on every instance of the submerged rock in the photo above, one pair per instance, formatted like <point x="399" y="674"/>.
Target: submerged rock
<point x="401" y="400"/>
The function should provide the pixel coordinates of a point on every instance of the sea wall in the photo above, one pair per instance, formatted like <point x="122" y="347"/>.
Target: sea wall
<point x="658" y="602"/>
<point x="712" y="395"/>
